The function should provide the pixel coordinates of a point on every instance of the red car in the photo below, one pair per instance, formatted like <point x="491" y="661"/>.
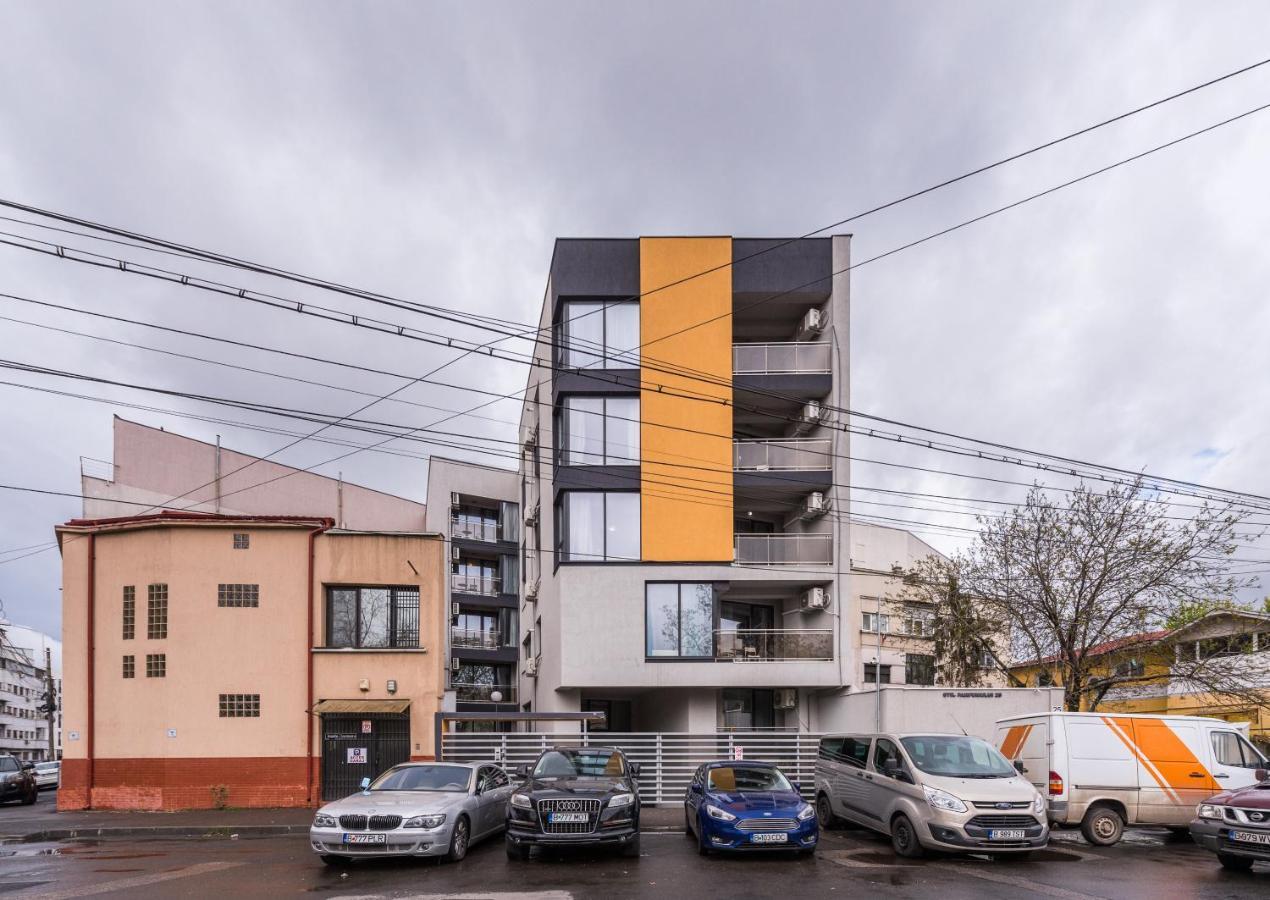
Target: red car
<point x="1236" y="825"/>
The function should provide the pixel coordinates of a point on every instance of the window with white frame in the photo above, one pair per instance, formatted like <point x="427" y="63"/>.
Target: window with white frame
<point x="875" y="622"/>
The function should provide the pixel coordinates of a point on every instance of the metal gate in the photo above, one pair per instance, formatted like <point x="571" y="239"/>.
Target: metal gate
<point x="360" y="745"/>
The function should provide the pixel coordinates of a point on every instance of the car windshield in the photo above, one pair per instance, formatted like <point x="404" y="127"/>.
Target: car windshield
<point x="957" y="757"/>
<point x="424" y="778"/>
<point x="744" y="779"/>
<point x="572" y="763"/>
<point x="8" y="764"/>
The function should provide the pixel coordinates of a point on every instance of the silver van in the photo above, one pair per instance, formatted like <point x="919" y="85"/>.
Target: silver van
<point x="948" y="792"/>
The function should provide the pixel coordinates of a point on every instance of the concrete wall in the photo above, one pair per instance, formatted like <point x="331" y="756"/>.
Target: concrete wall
<point x="935" y="709"/>
<point x="153" y="466"/>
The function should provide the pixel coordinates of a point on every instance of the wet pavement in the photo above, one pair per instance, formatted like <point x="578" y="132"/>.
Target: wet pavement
<point x="849" y="862"/>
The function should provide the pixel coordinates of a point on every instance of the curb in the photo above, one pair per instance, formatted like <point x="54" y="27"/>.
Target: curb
<point x="157" y="831"/>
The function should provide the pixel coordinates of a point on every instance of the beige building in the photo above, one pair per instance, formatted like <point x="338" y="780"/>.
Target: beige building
<point x="235" y="660"/>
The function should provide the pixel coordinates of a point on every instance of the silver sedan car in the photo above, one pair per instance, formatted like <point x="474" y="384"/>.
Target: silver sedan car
<point x="415" y="809"/>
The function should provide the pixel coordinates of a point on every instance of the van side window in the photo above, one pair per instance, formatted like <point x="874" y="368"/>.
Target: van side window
<point x="883" y="751"/>
<point x="1230" y="749"/>
<point x="852" y="751"/>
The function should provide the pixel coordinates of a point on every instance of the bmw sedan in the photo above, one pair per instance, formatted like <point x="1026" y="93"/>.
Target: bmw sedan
<point x="414" y="809"/>
<point x="748" y="806"/>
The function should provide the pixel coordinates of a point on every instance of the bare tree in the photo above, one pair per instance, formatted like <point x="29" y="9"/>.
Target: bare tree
<point x="1061" y="578"/>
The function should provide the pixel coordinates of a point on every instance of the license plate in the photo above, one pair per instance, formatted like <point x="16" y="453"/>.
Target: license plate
<point x="566" y="818"/>
<point x="1007" y="834"/>
<point x="773" y="838"/>
<point x="365" y="838"/>
<point x="1249" y="837"/>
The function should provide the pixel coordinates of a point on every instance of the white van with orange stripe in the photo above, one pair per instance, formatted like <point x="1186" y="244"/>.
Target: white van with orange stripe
<point x="1104" y="771"/>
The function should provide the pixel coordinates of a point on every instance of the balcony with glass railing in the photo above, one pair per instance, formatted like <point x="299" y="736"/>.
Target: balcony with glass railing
<point x="783" y="549"/>
<point x="481" y="585"/>
<point x="787" y="358"/>
<point x="475" y="639"/>
<point x="774" y="645"/>
<point x="782" y="455"/>
<point x="484" y="693"/>
<point x="474" y="529"/>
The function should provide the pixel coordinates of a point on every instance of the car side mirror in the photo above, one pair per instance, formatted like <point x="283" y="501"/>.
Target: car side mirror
<point x="634" y="769"/>
<point x="1261" y="774"/>
<point x="798" y="788"/>
<point x="695" y="788"/>
<point x="1018" y="765"/>
<point x="27" y="767"/>
<point x="522" y="771"/>
<point x="365" y="784"/>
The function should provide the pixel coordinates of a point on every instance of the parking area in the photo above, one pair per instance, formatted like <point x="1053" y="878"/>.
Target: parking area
<point x="1147" y="864"/>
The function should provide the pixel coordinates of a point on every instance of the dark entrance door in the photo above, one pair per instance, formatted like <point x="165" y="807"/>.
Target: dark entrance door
<point x="360" y="745"/>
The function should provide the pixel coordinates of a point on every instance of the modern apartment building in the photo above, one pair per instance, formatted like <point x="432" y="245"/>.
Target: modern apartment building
<point x="686" y="554"/>
<point x="477" y="508"/>
<point x="24" y="684"/>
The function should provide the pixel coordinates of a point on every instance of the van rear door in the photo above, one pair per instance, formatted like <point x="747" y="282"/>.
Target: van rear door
<point x="1028" y="742"/>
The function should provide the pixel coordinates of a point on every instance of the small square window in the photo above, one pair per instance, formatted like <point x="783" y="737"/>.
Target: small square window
<point x="242" y="541"/>
<point x="238" y="595"/>
<point x="156" y="665"/>
<point x="129" y="667"/>
<point x="240" y="706"/>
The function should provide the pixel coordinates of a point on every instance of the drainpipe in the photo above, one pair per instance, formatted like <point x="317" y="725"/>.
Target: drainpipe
<point x="92" y="662"/>
<point x="308" y="651"/>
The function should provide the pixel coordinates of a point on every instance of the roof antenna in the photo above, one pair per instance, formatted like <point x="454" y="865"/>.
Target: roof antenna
<point x="958" y="724"/>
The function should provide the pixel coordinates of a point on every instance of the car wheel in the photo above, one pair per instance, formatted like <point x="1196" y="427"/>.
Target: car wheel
<point x="1102" y="826"/>
<point x="904" y="838"/>
<point x="459" y="840"/>
<point x="631" y="850"/>
<point x="824" y="812"/>
<point x="332" y="860"/>
<point x="1234" y="863"/>
<point x="30" y="798"/>
<point x="516" y="851"/>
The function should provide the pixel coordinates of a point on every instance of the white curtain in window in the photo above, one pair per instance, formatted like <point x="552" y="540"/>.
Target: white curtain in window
<point x="584" y="514"/>
<point x="622" y="526"/>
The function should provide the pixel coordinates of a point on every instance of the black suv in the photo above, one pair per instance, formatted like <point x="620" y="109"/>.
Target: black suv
<point x="17" y="780"/>
<point x="575" y="797"/>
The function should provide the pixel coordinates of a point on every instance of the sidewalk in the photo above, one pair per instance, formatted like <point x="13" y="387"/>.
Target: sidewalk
<point x="43" y="822"/>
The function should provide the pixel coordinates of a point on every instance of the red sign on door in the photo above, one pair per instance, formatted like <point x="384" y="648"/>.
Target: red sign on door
<point x="365" y="726"/>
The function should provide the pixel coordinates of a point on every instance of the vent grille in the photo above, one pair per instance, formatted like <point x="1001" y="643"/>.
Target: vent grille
<point x="990" y="805"/>
<point x="1003" y="821"/>
<point x="590" y="807"/>
<point x="766" y="825"/>
<point x="384" y="823"/>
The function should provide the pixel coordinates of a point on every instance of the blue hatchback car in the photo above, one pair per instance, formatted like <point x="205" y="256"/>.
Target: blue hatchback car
<point x="748" y="805"/>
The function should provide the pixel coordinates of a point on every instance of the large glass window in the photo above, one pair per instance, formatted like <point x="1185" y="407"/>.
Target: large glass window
<point x="679" y="620"/>
<point x="745" y="710"/>
<point x="919" y="668"/>
<point x="599" y="335"/>
<point x="599" y="526"/>
<point x="597" y="431"/>
<point x="372" y="617"/>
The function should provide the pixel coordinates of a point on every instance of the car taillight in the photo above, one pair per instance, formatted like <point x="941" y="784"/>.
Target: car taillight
<point x="1056" y="784"/>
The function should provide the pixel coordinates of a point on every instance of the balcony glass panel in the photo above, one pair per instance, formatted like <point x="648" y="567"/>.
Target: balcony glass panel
<point x="790" y="358"/>
<point x="769" y="645"/>
<point x="783" y="549"/>
<point x="782" y="455"/>
<point x="475" y="583"/>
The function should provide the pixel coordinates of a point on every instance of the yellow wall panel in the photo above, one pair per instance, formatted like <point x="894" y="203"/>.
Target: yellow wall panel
<point x="686" y="513"/>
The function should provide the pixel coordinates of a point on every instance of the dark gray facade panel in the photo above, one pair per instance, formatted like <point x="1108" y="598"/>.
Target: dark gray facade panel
<point x="602" y="381"/>
<point x="596" y="478"/>
<point x="794" y="482"/>
<point x="813" y="387"/>
<point x="782" y="268"/>
<point x="585" y="267"/>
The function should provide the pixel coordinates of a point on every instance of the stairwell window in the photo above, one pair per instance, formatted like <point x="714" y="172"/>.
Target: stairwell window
<point x="157" y="612"/>
<point x="238" y="595"/>
<point x="129" y="612"/>
<point x="129" y="667"/>
<point x="372" y="617"/>
<point x="239" y="706"/>
<point x="156" y="665"/>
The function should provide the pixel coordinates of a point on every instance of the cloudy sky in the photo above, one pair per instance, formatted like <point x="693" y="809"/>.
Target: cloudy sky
<point x="433" y="151"/>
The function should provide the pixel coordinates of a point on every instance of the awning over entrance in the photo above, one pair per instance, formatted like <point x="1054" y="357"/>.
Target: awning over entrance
<point x="361" y="706"/>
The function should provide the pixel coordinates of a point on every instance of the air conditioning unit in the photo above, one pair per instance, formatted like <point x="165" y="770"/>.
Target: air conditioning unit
<point x="531" y="592"/>
<point x="816" y="598"/>
<point x="454" y="553"/>
<point x="454" y="663"/>
<point x="811" y="325"/>
<point x="786" y="698"/>
<point x="529" y="436"/>
<point x="454" y="609"/>
<point x="531" y="517"/>
<point x="813" y="413"/>
<point x="531" y="667"/>
<point x="815" y="506"/>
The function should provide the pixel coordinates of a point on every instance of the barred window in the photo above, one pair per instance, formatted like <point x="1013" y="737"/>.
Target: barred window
<point x="242" y="541"/>
<point x="129" y="612"/>
<point x="156" y="665"/>
<point x="238" y="595"/>
<point x="157" y="612"/>
<point x="369" y="617"/>
<point x="129" y="667"/>
<point x="239" y="706"/>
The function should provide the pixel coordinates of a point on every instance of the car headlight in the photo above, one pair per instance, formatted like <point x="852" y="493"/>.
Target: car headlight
<point x="322" y="820"/>
<point x="807" y="812"/>
<point x="1209" y="811"/>
<point x="432" y="821"/>
<point x="721" y="814"/>
<point x="522" y="801"/>
<point x="943" y="800"/>
<point x="1038" y="805"/>
<point x="617" y="801"/>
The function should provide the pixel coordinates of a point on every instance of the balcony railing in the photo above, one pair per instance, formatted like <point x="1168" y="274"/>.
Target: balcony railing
<point x="793" y="358"/>
<point x="474" y="531"/>
<point x="483" y="585"/>
<point x="768" y="645"/>
<point x="783" y="549"/>
<point x="475" y="639"/>
<point x="782" y="455"/>
<point x="484" y="693"/>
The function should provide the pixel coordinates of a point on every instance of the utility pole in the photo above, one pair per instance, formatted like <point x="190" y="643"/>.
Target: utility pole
<point x="50" y="700"/>
<point x="877" y="669"/>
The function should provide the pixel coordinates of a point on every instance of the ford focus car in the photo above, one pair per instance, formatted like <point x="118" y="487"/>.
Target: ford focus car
<point x="575" y="797"/>
<point x="414" y="809"/>
<point x="733" y="805"/>
<point x="1236" y="825"/>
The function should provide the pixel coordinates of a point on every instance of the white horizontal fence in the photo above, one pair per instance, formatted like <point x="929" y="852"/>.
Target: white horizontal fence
<point x="666" y="759"/>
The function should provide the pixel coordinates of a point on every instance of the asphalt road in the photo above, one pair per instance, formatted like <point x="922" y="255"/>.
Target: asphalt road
<point x="849" y="862"/>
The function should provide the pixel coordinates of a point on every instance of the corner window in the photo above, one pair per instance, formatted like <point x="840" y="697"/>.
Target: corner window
<point x="679" y="620"/>
<point x="597" y="334"/>
<point x="599" y="526"/>
<point x="598" y="431"/>
<point x="372" y="617"/>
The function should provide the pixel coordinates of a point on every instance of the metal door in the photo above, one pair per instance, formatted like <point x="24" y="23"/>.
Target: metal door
<point x="360" y="745"/>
